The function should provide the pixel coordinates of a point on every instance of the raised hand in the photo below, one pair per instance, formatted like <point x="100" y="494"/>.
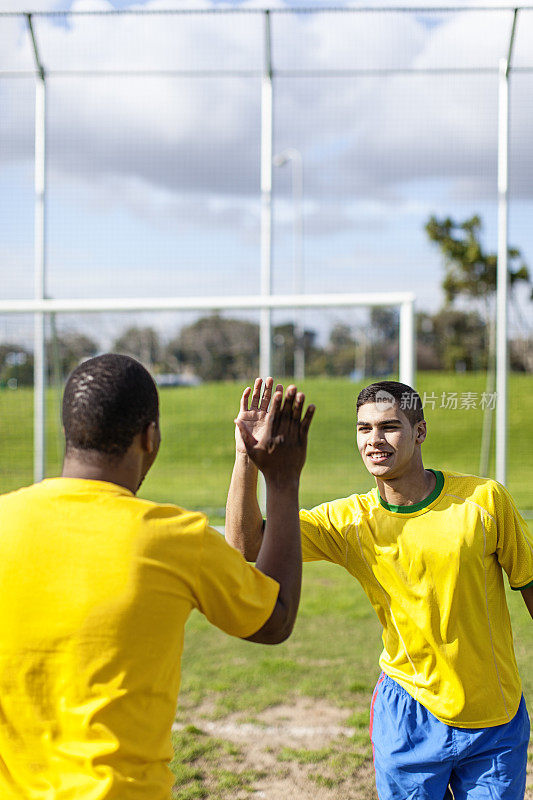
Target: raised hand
<point x="255" y="417"/>
<point x="278" y="444"/>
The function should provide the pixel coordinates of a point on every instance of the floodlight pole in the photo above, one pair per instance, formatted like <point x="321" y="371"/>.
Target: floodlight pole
<point x="39" y="351"/>
<point x="265" y="333"/>
<point x="295" y="157"/>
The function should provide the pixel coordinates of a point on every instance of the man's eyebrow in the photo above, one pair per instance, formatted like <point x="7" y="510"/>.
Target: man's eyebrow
<point x="384" y="422"/>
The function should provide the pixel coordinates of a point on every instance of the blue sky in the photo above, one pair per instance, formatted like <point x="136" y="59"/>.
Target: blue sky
<point x="154" y="183"/>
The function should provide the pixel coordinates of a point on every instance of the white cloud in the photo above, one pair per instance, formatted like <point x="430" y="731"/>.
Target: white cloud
<point x="361" y="137"/>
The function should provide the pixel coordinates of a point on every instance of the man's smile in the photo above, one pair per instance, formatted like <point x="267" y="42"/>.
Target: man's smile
<point x="378" y="456"/>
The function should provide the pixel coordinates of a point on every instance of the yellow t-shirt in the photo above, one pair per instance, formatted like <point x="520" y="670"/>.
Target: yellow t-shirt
<point x="433" y="573"/>
<point x="95" y="588"/>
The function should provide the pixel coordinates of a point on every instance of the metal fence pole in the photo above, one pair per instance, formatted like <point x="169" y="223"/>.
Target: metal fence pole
<point x="265" y="347"/>
<point x="39" y="352"/>
<point x="407" y="357"/>
<point x="298" y="282"/>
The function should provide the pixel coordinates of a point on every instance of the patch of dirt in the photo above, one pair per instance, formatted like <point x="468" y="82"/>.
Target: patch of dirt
<point x="304" y="724"/>
<point x="293" y="782"/>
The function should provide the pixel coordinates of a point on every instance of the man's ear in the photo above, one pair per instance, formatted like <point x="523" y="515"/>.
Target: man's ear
<point x="421" y="431"/>
<point x="150" y="438"/>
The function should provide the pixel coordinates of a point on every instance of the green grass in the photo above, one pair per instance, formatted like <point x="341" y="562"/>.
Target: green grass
<point x="332" y="655"/>
<point x="335" y="623"/>
<point x="337" y="763"/>
<point x="196" y="457"/>
<point x="199" y="767"/>
<point x="333" y="652"/>
<point x="304" y="756"/>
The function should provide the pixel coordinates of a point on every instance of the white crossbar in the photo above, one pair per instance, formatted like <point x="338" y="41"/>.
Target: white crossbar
<point x="91" y="305"/>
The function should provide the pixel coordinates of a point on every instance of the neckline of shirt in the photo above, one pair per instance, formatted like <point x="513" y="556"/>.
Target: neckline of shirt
<point x="423" y="503"/>
<point x="87" y="483"/>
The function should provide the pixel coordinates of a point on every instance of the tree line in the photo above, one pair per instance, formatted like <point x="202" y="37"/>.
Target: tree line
<point x="217" y="348"/>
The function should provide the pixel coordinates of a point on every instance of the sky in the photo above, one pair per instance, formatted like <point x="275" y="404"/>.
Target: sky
<point x="154" y="181"/>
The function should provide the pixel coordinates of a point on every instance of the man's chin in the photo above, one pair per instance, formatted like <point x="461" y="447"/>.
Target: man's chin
<point x="378" y="470"/>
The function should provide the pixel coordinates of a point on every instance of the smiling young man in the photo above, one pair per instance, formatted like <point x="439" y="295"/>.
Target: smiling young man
<point x="429" y="548"/>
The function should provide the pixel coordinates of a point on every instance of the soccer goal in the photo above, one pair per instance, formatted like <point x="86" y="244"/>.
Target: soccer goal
<point x="41" y="309"/>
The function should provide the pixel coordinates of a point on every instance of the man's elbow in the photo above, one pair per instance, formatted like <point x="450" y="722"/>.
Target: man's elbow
<point x="271" y="637"/>
<point x="527" y="594"/>
<point x="250" y="550"/>
<point x="251" y="553"/>
<point x="277" y="628"/>
<point x="280" y="635"/>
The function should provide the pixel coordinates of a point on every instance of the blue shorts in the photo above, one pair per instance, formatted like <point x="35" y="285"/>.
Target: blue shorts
<point x="417" y="757"/>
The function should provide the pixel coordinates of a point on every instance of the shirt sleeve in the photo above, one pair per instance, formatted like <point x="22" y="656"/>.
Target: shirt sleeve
<point x="514" y="546"/>
<point x="321" y="540"/>
<point x="233" y="595"/>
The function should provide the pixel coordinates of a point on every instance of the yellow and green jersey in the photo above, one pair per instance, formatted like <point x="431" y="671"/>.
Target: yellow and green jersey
<point x="433" y="573"/>
<point x="95" y="588"/>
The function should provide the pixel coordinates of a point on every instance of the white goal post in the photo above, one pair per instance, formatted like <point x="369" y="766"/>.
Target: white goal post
<point x="41" y="308"/>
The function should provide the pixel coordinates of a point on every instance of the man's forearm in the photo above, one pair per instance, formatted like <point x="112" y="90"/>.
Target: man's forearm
<point x="280" y="555"/>
<point x="244" y="521"/>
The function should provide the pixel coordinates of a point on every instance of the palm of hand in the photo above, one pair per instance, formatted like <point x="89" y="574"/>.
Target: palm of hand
<point x="257" y="424"/>
<point x="274" y="435"/>
<point x="256" y="418"/>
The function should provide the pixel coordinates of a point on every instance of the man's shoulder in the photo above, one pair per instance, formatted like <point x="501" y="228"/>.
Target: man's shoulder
<point x="474" y="488"/>
<point x="20" y="495"/>
<point x="170" y="515"/>
<point x="347" y="508"/>
<point x="105" y="499"/>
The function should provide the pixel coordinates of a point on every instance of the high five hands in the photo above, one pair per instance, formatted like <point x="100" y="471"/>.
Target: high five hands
<point x="272" y="431"/>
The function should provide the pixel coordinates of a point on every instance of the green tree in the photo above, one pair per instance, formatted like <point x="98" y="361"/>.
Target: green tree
<point x="340" y="350"/>
<point x="140" y="343"/>
<point x="65" y="351"/>
<point x="283" y="349"/>
<point x="384" y="346"/>
<point x="460" y="339"/>
<point x="283" y="339"/>
<point x="384" y="322"/>
<point x="337" y="357"/>
<point x="471" y="271"/>
<point x="216" y="348"/>
<point x="427" y="355"/>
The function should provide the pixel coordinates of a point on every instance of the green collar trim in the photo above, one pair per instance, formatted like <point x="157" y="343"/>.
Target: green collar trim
<point x="520" y="588"/>
<point x="423" y="503"/>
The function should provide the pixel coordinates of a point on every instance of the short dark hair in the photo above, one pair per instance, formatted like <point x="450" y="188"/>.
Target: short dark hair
<point x="405" y="397"/>
<point x="107" y="401"/>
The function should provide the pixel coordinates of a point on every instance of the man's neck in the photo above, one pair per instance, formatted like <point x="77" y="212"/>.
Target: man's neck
<point x="121" y="475"/>
<point x="408" y="489"/>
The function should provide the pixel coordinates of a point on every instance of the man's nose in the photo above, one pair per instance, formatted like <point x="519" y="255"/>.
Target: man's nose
<point x="376" y="436"/>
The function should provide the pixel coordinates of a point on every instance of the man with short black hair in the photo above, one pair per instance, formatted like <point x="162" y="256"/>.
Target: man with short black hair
<point x="429" y="548"/>
<point x="106" y="402"/>
<point x="96" y="586"/>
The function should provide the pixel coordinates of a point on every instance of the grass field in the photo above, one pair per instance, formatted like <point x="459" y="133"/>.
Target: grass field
<point x="196" y="457"/>
<point x="247" y="712"/>
<point x="331" y="660"/>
